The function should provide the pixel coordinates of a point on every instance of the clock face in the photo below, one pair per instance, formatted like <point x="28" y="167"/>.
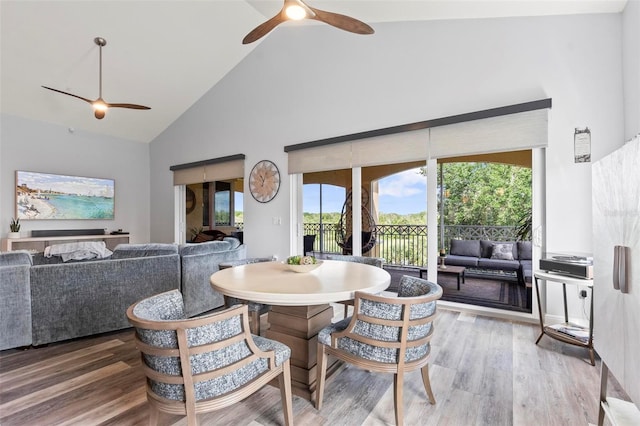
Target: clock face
<point x="264" y="181"/>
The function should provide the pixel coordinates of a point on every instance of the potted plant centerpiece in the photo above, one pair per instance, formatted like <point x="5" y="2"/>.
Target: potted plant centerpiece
<point x="14" y="228"/>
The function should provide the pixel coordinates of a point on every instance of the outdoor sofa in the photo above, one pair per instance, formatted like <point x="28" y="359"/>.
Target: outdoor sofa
<point x="486" y="255"/>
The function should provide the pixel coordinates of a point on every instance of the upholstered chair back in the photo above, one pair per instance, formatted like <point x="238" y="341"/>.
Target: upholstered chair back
<point x="201" y="363"/>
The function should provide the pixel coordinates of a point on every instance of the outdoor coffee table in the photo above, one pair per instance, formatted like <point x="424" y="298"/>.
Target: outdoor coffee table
<point x="458" y="271"/>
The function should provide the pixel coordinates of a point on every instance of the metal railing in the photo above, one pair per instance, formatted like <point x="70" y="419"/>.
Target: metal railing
<point x="406" y="245"/>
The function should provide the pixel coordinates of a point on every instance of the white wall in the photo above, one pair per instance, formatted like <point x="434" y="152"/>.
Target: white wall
<point x="631" y="68"/>
<point x="41" y="147"/>
<point x="317" y="82"/>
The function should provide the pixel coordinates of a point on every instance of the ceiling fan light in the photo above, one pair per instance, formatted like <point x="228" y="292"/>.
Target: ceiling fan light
<point x="296" y="12"/>
<point x="100" y="106"/>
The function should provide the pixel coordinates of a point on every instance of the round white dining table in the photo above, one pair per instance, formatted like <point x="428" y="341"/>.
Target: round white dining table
<point x="274" y="284"/>
<point x="300" y="304"/>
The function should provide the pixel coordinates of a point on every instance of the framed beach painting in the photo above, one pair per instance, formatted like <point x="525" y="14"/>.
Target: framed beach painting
<point x="52" y="196"/>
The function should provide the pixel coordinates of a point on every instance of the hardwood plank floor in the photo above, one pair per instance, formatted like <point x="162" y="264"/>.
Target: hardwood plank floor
<point x="483" y="371"/>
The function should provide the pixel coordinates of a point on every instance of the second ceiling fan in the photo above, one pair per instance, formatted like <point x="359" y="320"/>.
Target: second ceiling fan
<point x="296" y="10"/>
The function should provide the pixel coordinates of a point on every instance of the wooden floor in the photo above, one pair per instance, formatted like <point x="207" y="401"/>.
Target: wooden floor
<point x="483" y="371"/>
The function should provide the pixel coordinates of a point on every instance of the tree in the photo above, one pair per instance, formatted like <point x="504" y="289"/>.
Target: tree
<point x="486" y="194"/>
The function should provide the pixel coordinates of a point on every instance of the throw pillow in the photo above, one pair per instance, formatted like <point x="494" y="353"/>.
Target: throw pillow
<point x="502" y="251"/>
<point x="201" y="238"/>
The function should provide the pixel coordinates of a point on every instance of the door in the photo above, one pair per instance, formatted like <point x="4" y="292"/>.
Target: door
<point x="616" y="221"/>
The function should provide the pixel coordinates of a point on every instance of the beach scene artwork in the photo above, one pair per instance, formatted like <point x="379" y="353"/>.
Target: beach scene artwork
<point x="52" y="196"/>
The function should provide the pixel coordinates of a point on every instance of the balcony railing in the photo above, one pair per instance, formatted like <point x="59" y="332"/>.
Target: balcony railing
<point x="406" y="245"/>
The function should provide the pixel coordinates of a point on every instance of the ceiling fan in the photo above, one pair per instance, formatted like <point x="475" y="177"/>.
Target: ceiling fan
<point x="100" y="107"/>
<point x="296" y="10"/>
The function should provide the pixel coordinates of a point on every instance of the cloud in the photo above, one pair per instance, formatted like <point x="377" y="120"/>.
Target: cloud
<point x="403" y="184"/>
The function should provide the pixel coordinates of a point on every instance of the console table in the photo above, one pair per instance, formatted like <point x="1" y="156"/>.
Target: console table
<point x="567" y="332"/>
<point x="38" y="244"/>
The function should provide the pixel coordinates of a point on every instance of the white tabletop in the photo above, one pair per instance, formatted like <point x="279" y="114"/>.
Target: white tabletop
<point x="272" y="283"/>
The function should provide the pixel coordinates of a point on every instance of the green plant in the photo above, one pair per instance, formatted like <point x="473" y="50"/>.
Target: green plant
<point x="523" y="231"/>
<point x="14" y="226"/>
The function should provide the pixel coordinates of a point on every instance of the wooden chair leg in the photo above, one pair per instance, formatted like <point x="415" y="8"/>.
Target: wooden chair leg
<point x="321" y="368"/>
<point x="427" y="384"/>
<point x="398" y="381"/>
<point x="154" y="415"/>
<point x="254" y="322"/>
<point x="285" y="392"/>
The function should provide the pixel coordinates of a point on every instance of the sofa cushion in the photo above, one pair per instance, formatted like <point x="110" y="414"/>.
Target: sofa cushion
<point x="18" y="257"/>
<point x="502" y="251"/>
<point x="204" y="248"/>
<point x="127" y="251"/>
<point x="465" y="248"/>
<point x="234" y="242"/>
<point x="524" y="250"/>
<point x="499" y="264"/>
<point x="467" y="261"/>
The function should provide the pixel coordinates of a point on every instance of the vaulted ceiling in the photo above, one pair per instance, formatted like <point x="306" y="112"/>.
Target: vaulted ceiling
<point x="167" y="54"/>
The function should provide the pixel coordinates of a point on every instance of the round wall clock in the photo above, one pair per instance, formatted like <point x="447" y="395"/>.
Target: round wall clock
<point x="264" y="181"/>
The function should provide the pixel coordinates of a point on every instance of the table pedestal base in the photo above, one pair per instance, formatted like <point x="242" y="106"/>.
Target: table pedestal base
<point x="298" y="327"/>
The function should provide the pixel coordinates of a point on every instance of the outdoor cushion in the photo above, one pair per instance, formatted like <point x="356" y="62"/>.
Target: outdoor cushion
<point x="467" y="261"/>
<point x="502" y="251"/>
<point x="499" y="264"/>
<point x="486" y="248"/>
<point x="465" y="248"/>
<point x="524" y="250"/>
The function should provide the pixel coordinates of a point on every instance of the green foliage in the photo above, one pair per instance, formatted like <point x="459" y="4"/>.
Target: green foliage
<point x="486" y="194"/>
<point x="14" y="225"/>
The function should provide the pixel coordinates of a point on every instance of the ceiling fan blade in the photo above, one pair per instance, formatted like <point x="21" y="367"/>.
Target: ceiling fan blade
<point x="343" y="22"/>
<point x="264" y="28"/>
<point x="69" y="94"/>
<point x="130" y="106"/>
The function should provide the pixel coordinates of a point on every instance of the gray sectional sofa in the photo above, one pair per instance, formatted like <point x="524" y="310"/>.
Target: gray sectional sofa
<point x="198" y="262"/>
<point x="15" y="300"/>
<point x="44" y="300"/>
<point x="509" y="256"/>
<point x="76" y="299"/>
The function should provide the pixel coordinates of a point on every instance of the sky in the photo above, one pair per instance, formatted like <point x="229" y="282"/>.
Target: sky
<point x="402" y="193"/>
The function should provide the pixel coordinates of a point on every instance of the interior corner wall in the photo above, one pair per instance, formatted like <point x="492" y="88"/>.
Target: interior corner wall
<point x="41" y="147"/>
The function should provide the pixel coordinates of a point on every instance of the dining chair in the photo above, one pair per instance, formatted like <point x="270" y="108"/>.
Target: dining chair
<point x="373" y="261"/>
<point x="385" y="334"/>
<point x="256" y="310"/>
<point x="201" y="364"/>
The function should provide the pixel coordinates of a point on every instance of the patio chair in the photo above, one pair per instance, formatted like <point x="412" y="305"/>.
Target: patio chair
<point x="373" y="261"/>
<point x="385" y="334"/>
<point x="255" y="309"/>
<point x="204" y="363"/>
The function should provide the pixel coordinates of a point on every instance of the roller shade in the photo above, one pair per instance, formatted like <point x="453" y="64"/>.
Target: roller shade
<point x="319" y="159"/>
<point x="373" y="151"/>
<point x="224" y="168"/>
<point x="512" y="132"/>
<point x="390" y="149"/>
<point x="510" y="128"/>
